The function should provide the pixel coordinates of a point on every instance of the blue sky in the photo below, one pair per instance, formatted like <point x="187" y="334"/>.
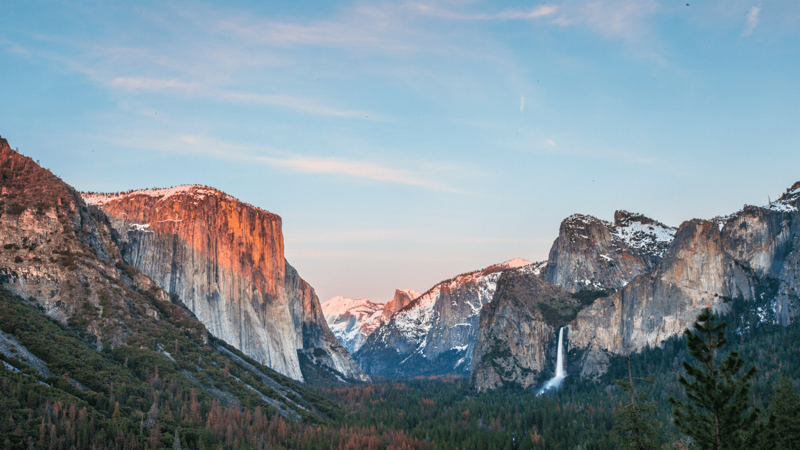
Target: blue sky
<point x="406" y="142"/>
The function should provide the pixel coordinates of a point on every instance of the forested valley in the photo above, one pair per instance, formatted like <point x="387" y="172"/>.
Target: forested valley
<point x="138" y="398"/>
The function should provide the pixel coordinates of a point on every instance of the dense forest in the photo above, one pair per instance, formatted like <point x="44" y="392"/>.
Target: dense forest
<point x="172" y="391"/>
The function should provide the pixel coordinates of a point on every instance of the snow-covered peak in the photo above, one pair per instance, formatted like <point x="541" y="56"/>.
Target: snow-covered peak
<point x="641" y="233"/>
<point x="789" y="201"/>
<point x="358" y="307"/>
<point x="352" y="319"/>
<point x="536" y="268"/>
<point x="514" y="263"/>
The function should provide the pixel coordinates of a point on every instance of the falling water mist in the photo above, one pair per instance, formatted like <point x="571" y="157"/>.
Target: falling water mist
<point x="555" y="382"/>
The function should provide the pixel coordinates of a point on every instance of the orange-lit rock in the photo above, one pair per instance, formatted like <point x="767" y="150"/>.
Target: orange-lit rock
<point x="224" y="259"/>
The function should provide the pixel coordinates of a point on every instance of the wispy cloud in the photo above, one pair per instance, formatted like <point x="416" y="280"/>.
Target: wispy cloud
<point x="152" y="84"/>
<point x="549" y="146"/>
<point x="626" y="19"/>
<point x="295" y="103"/>
<point x="357" y="169"/>
<point x="508" y="14"/>
<point x="752" y="20"/>
<point x="361" y="170"/>
<point x="196" y="89"/>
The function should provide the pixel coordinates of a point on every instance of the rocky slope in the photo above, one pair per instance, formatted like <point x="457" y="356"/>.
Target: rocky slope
<point x="519" y="331"/>
<point x="224" y="260"/>
<point x="353" y="320"/>
<point x="435" y="333"/>
<point x="590" y="254"/>
<point x="64" y="254"/>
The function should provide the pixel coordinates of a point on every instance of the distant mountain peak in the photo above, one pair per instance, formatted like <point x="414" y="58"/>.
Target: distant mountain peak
<point x="789" y="201"/>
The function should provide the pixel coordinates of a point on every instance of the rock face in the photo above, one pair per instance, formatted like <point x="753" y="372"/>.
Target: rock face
<point x="747" y="258"/>
<point x="435" y="334"/>
<point x="401" y="299"/>
<point x="64" y="255"/>
<point x="590" y="254"/>
<point x="519" y="331"/>
<point x="696" y="273"/>
<point x="224" y="260"/>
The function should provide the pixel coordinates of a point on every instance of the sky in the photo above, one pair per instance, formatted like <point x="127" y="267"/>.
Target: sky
<point x="404" y="142"/>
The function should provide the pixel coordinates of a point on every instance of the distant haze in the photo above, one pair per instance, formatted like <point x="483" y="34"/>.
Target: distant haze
<point x="401" y="142"/>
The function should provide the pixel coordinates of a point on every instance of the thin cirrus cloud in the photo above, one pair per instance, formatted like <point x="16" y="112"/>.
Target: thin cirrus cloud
<point x="363" y="170"/>
<point x="626" y="19"/>
<point x="228" y="96"/>
<point x="152" y="84"/>
<point x="617" y="18"/>
<point x="509" y="14"/>
<point x="549" y="146"/>
<point x="752" y="20"/>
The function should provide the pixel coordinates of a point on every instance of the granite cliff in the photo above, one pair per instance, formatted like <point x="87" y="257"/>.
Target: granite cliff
<point x="224" y="260"/>
<point x="661" y="281"/>
<point x="518" y="331"/>
<point x="61" y="257"/>
<point x="593" y="255"/>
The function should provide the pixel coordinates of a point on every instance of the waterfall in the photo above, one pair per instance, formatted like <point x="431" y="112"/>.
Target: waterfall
<point x="559" y="358"/>
<point x="555" y="382"/>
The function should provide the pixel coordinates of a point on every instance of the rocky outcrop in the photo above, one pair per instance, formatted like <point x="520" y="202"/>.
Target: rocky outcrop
<point x="696" y="273"/>
<point x="319" y="349"/>
<point x="64" y="254"/>
<point x="224" y="260"/>
<point x="519" y="331"/>
<point x="748" y="259"/>
<point x="642" y="236"/>
<point x="401" y="299"/>
<point x="435" y="334"/>
<point x="592" y="255"/>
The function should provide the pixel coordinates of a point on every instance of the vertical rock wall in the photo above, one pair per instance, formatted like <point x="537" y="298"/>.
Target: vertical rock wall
<point x="224" y="259"/>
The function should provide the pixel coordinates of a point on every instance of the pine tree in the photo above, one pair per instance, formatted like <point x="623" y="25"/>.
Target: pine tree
<point x="784" y="417"/>
<point x="634" y="425"/>
<point x="717" y="416"/>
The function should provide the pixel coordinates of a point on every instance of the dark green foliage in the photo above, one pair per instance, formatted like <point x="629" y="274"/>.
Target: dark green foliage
<point x="717" y="415"/>
<point x="783" y="430"/>
<point x="557" y="313"/>
<point x="634" y="423"/>
<point x="587" y="296"/>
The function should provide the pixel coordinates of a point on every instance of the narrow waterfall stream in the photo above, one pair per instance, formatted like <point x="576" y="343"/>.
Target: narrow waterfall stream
<point x="555" y="382"/>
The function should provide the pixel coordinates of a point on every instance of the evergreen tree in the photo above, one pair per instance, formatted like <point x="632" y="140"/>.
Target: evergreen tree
<point x="784" y="417"/>
<point x="634" y="425"/>
<point x="717" y="415"/>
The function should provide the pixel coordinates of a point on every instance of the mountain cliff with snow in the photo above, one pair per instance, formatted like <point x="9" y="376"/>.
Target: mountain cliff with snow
<point x="591" y="254"/>
<point x="224" y="260"/>
<point x="435" y="334"/>
<point x="639" y="283"/>
<point x="353" y="320"/>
